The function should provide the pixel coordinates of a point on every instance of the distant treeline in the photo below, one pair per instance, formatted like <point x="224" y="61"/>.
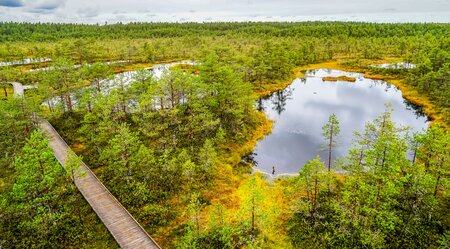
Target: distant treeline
<point x="50" y="31"/>
<point x="170" y="149"/>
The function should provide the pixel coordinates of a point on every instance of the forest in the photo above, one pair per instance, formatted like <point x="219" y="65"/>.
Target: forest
<point x="172" y="149"/>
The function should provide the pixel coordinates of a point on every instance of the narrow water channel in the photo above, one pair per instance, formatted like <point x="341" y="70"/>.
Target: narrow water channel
<point x="126" y="77"/>
<point x="300" y="111"/>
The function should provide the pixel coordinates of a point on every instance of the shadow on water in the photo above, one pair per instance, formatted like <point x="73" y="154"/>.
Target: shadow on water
<point x="417" y="109"/>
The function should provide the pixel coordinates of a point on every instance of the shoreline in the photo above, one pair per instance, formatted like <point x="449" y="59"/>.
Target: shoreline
<point x="408" y="94"/>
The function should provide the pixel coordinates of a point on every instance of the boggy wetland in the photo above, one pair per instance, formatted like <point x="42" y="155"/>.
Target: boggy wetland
<point x="224" y="135"/>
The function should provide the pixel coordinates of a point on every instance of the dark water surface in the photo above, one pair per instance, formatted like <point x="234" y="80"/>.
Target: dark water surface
<point x="300" y="111"/>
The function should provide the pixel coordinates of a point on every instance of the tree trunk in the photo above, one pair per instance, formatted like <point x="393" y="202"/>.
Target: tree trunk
<point x="49" y="106"/>
<point x="69" y="103"/>
<point x="329" y="149"/>
<point x="437" y="184"/>
<point x="172" y="97"/>
<point x="190" y="132"/>
<point x="414" y="156"/>
<point x="361" y="157"/>
<point x="124" y="109"/>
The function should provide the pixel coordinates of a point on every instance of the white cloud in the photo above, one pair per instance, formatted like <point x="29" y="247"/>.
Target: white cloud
<point x="88" y="11"/>
<point x="44" y="6"/>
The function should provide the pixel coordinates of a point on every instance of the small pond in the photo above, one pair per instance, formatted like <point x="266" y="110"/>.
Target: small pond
<point x="126" y="78"/>
<point x="398" y="65"/>
<point x="300" y="111"/>
<point x="24" y="61"/>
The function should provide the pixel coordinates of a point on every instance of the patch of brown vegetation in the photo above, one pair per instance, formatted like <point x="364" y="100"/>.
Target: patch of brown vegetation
<point x="77" y="148"/>
<point x="339" y="78"/>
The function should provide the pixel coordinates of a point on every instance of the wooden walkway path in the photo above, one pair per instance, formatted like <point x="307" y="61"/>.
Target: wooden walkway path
<point x="19" y="89"/>
<point x="123" y="227"/>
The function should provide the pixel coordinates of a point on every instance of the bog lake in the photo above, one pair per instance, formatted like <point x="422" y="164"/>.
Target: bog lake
<point x="301" y="110"/>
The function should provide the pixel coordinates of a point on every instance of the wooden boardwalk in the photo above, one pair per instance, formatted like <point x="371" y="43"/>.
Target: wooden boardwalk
<point x="19" y="89"/>
<point x="123" y="227"/>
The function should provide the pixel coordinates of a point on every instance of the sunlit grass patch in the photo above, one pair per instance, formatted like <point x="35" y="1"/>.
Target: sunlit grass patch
<point x="9" y="92"/>
<point x="339" y="78"/>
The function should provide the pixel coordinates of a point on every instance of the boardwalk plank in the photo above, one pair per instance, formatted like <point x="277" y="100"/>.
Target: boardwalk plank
<point x="123" y="227"/>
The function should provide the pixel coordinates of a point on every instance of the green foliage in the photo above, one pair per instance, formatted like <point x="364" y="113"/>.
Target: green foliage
<point x="52" y="32"/>
<point x="43" y="209"/>
<point x="17" y="122"/>
<point x="330" y="132"/>
<point x="62" y="81"/>
<point x="431" y="76"/>
<point x="270" y="62"/>
<point x="6" y="75"/>
<point x="154" y="142"/>
<point x="387" y="200"/>
<point x="38" y="173"/>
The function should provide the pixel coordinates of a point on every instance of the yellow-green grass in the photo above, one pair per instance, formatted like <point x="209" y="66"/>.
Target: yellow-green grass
<point x="9" y="92"/>
<point x="226" y="181"/>
<point x="277" y="85"/>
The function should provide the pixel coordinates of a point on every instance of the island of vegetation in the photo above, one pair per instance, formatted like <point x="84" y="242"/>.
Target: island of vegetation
<point x="171" y="148"/>
<point x="339" y="78"/>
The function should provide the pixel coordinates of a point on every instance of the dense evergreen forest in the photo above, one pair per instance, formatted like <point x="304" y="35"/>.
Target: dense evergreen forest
<point x="54" y="32"/>
<point x="172" y="149"/>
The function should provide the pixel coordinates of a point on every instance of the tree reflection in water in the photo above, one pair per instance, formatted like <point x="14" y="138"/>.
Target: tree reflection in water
<point x="280" y="98"/>
<point x="260" y="104"/>
<point x="305" y="107"/>
<point x="418" y="110"/>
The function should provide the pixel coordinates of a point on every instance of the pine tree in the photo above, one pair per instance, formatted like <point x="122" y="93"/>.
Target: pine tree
<point x="330" y="132"/>
<point x="39" y="185"/>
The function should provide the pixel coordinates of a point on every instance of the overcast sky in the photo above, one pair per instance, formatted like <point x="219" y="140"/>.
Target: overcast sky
<point x="111" y="11"/>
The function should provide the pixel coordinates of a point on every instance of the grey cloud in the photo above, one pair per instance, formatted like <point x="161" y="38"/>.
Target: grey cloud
<point x="89" y="12"/>
<point x="47" y="5"/>
<point x="11" y="3"/>
<point x="228" y="10"/>
<point x="39" y="11"/>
